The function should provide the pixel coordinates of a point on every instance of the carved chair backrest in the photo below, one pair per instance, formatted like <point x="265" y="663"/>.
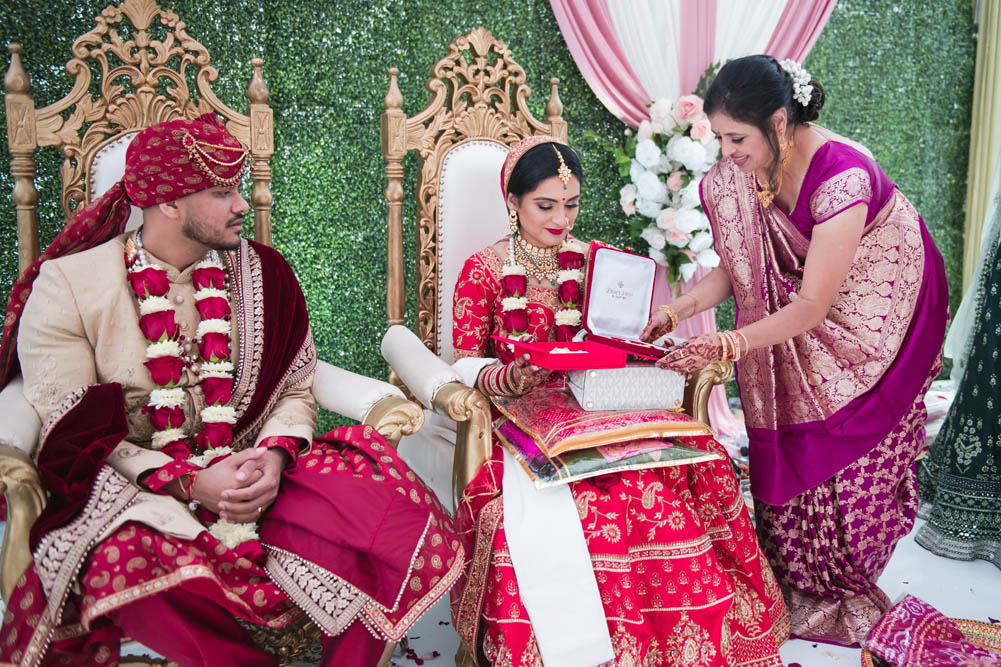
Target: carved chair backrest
<point x="479" y="110"/>
<point x="129" y="74"/>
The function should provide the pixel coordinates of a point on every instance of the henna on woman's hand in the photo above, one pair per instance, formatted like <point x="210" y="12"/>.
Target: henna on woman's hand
<point x="693" y="355"/>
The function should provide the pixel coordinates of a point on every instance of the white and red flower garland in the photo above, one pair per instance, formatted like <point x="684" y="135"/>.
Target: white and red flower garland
<point x="514" y="289"/>
<point x="166" y="360"/>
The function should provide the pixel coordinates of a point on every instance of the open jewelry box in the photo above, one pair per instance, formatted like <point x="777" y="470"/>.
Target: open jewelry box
<point x="619" y="298"/>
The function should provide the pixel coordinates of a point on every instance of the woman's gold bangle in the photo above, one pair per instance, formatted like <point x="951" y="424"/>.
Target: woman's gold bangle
<point x="673" y="316"/>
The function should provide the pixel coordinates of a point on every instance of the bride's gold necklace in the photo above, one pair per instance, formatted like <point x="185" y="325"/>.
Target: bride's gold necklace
<point x="541" y="264"/>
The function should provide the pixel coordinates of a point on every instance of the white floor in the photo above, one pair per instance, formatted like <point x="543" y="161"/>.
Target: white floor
<point x="958" y="589"/>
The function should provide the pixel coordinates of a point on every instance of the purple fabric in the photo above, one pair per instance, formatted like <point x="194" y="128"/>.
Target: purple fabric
<point x="829" y="544"/>
<point x="593" y="43"/>
<point x="787" y="461"/>
<point x="915" y="634"/>
<point x="798" y="28"/>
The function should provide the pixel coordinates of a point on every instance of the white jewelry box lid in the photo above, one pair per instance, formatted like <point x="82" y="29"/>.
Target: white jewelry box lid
<point x="619" y="293"/>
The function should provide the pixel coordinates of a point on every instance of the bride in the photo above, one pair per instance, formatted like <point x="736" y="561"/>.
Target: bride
<point x="656" y="566"/>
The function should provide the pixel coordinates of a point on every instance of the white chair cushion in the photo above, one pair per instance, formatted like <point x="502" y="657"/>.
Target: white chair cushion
<point x="349" y="394"/>
<point x="471" y="216"/>
<point x="430" y="453"/>
<point x="19" y="423"/>
<point x="108" y="168"/>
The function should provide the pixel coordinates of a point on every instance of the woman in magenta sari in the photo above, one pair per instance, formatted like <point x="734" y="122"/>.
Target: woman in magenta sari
<point x="841" y="305"/>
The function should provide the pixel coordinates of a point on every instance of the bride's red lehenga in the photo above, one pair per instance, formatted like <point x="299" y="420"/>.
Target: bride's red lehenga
<point x="680" y="573"/>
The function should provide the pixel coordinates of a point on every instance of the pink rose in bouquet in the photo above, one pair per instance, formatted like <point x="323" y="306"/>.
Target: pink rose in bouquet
<point x="688" y="108"/>
<point x="701" y="130"/>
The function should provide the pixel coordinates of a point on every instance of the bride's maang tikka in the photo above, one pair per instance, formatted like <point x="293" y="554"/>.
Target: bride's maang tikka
<point x="563" y="172"/>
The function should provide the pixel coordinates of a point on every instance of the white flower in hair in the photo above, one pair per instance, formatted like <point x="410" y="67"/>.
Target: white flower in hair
<point x="801" y="88"/>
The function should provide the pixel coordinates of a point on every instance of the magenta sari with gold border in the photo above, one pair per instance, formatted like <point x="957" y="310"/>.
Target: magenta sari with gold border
<point x="834" y="415"/>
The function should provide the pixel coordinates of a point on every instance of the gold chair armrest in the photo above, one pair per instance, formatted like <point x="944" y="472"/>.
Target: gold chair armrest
<point x="394" y="417"/>
<point x="20" y="483"/>
<point x="696" y="402"/>
<point x="471" y="411"/>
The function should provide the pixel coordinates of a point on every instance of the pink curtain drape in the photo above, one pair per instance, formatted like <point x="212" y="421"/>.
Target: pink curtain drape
<point x="698" y="42"/>
<point x="588" y="31"/>
<point x="798" y="29"/>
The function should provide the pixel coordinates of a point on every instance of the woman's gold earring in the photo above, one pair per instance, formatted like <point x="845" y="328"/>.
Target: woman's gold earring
<point x="512" y="221"/>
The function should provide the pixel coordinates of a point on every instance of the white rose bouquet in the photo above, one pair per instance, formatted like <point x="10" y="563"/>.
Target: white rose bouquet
<point x="663" y="163"/>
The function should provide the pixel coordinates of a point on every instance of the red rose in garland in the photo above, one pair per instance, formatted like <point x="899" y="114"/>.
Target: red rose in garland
<point x="165" y="371"/>
<point x="150" y="281"/>
<point x="158" y="326"/>
<point x="217" y="391"/>
<point x="212" y="307"/>
<point x="210" y="276"/>
<point x="514" y="285"/>
<point x="214" y="347"/>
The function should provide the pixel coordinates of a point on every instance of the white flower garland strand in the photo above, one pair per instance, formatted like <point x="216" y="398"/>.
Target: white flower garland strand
<point x="570" y="316"/>
<point x="172" y="397"/>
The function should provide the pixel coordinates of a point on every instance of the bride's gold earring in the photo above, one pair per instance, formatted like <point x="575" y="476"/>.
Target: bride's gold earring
<point x="512" y="221"/>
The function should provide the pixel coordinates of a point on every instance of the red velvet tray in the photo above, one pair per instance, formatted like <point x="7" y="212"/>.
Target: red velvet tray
<point x="591" y="355"/>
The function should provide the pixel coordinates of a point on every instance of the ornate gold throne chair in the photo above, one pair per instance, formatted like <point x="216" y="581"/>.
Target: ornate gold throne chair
<point x="479" y="110"/>
<point x="144" y="79"/>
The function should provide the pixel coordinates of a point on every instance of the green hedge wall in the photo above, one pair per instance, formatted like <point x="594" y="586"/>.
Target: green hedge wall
<point x="898" y="76"/>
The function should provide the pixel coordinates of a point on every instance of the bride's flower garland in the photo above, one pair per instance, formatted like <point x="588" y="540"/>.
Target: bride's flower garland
<point x="166" y="360"/>
<point x="514" y="288"/>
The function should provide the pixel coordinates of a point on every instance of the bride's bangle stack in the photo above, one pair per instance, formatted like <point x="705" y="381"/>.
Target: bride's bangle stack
<point x="730" y="341"/>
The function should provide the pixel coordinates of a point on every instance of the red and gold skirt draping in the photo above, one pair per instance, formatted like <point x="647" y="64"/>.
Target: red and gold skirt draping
<point x="680" y="573"/>
<point x="273" y="585"/>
